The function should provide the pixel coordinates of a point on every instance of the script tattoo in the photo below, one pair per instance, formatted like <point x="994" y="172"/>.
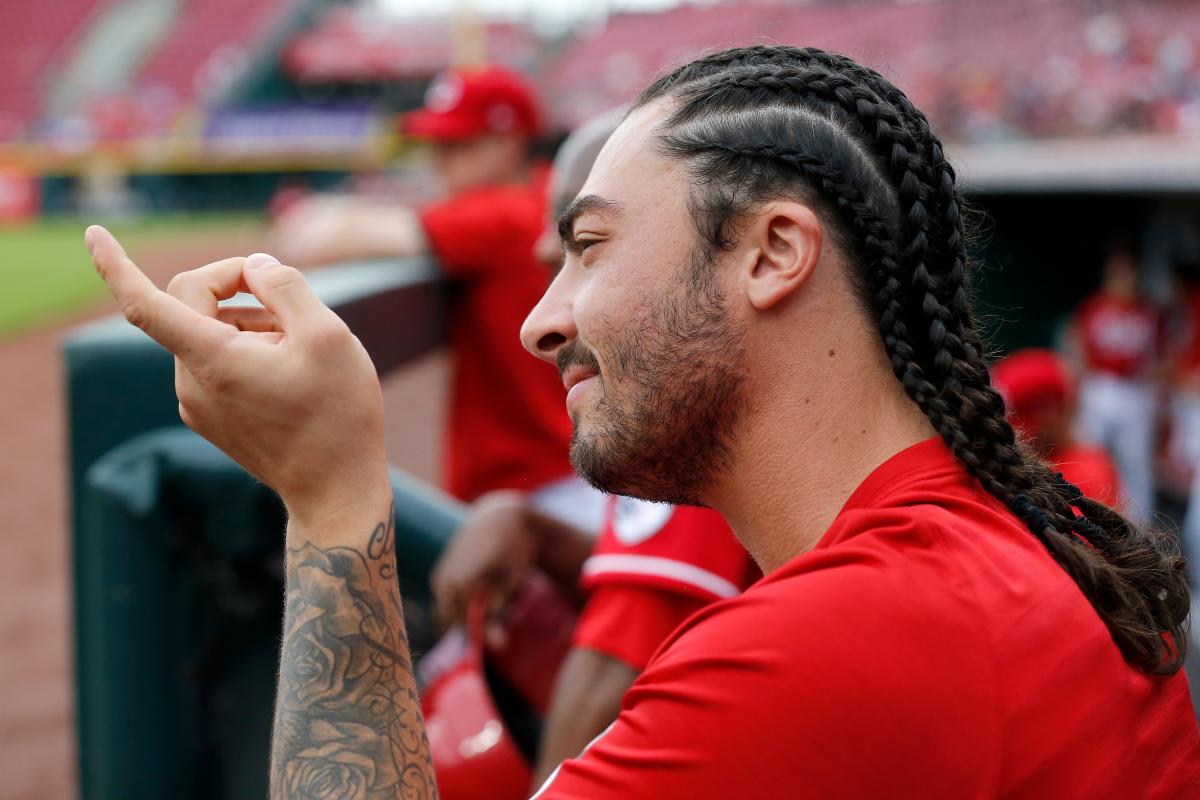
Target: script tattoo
<point x="347" y="718"/>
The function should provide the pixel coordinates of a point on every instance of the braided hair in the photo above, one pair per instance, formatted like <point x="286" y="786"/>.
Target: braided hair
<point x="759" y="123"/>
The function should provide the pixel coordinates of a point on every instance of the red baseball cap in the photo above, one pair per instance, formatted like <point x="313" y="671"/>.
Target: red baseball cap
<point x="1035" y="384"/>
<point x="460" y="104"/>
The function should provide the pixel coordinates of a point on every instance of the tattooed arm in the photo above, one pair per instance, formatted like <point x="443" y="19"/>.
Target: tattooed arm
<point x="347" y="717"/>
<point x="290" y="394"/>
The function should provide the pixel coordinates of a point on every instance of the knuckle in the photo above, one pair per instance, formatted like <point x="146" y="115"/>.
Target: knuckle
<point x="279" y="276"/>
<point x="329" y="333"/>
<point x="134" y="310"/>
<point x="186" y="416"/>
<point x="177" y="284"/>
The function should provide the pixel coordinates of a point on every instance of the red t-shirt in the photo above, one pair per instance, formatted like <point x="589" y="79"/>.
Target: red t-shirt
<point x="653" y="566"/>
<point x="630" y="623"/>
<point x="1122" y="338"/>
<point x="508" y="428"/>
<point x="680" y="549"/>
<point x="928" y="647"/>
<point x="1187" y="357"/>
<point x="1093" y="471"/>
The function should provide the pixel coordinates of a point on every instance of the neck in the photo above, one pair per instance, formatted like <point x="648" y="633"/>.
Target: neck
<point x="807" y="444"/>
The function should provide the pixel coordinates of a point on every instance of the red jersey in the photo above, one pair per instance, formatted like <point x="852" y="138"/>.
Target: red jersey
<point x="652" y="567"/>
<point x="1187" y="357"/>
<point x="508" y="428"/>
<point x="927" y="647"/>
<point x="681" y="549"/>
<point x="1122" y="338"/>
<point x="1093" y="471"/>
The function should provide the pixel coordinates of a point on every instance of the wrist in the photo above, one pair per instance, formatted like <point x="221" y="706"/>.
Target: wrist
<point x="336" y="509"/>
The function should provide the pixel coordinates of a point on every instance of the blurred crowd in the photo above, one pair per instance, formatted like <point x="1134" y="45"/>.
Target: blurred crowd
<point x="1092" y="69"/>
<point x="1115" y="72"/>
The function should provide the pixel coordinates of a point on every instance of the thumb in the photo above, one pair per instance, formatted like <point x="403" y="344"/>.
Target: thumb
<point x="283" y="291"/>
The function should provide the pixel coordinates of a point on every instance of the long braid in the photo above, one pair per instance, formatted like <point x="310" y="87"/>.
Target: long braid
<point x="911" y="237"/>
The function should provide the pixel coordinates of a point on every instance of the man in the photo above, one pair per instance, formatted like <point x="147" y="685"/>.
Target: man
<point x="506" y="429"/>
<point x="763" y="309"/>
<point x="651" y="568"/>
<point x="1040" y="394"/>
<point x="1119" y="338"/>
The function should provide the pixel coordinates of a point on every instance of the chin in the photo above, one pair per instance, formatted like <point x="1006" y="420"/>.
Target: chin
<point x="632" y="473"/>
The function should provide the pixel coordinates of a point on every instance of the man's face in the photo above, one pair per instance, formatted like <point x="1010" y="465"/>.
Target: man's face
<point x="1120" y="275"/>
<point x="465" y="164"/>
<point x="638" y="322"/>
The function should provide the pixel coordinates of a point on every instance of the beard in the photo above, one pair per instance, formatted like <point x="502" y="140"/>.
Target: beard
<point x="662" y="427"/>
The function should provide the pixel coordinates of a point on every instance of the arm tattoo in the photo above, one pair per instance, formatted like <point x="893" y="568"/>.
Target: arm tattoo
<point x="347" y="719"/>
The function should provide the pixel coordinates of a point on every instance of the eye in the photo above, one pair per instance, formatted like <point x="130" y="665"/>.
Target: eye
<point x="577" y="245"/>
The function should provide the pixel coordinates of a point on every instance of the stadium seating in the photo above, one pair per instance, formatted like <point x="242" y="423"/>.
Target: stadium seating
<point x="209" y="37"/>
<point x="33" y="37"/>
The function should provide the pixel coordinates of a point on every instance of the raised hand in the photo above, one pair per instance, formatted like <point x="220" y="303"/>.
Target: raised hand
<point x="286" y="390"/>
<point x="289" y="393"/>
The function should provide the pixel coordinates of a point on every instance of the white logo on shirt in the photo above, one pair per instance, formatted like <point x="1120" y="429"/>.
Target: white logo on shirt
<point x="635" y="521"/>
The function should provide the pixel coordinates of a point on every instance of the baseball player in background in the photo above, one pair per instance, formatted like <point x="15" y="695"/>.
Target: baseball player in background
<point x="652" y="567"/>
<point x="1117" y="338"/>
<point x="1039" y="391"/>
<point x="763" y="309"/>
<point x="506" y="429"/>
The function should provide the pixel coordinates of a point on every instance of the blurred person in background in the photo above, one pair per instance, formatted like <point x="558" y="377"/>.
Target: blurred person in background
<point x="506" y="426"/>
<point x="1184" y="442"/>
<point x="1117" y="338"/>
<point x="1039" y="391"/>
<point x="651" y="568"/>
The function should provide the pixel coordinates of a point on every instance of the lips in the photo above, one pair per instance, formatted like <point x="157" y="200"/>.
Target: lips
<point x="577" y="373"/>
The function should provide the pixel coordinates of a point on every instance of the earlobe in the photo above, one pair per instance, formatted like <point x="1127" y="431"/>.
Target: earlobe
<point x="786" y="240"/>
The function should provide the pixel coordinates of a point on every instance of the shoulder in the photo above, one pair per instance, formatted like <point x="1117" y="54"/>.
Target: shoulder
<point x="893" y="602"/>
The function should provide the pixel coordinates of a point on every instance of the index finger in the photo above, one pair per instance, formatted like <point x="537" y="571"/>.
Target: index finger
<point x="169" y="322"/>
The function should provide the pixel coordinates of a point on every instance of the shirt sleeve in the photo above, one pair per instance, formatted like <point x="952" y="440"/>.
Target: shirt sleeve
<point x="478" y="233"/>
<point x="815" y="694"/>
<point x="629" y="623"/>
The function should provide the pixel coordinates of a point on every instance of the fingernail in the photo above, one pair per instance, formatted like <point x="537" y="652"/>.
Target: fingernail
<point x="259" y="260"/>
<point x="89" y="239"/>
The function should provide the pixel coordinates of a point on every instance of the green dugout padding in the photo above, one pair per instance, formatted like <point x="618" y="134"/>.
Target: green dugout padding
<point x="178" y="556"/>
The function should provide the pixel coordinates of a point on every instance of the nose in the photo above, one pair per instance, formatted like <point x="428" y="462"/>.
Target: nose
<point x="551" y="323"/>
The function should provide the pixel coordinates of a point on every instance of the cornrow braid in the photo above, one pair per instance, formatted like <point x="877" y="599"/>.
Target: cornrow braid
<point x="763" y="122"/>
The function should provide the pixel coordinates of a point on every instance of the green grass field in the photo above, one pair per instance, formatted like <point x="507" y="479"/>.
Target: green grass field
<point x="45" y="274"/>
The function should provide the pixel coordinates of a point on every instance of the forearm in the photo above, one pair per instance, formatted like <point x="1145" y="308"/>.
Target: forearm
<point x="347" y="718"/>
<point x="560" y="549"/>
<point x="587" y="698"/>
<point x="381" y="232"/>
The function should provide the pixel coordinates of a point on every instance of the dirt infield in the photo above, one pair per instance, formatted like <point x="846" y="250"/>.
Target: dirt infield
<point x="36" y="715"/>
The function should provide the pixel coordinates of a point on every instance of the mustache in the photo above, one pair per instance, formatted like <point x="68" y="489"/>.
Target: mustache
<point x="574" y="353"/>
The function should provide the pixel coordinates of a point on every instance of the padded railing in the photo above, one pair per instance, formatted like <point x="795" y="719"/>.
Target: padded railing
<point x="178" y="555"/>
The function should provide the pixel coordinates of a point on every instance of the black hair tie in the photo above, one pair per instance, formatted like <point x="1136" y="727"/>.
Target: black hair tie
<point x="1030" y="514"/>
<point x="1088" y="529"/>
<point x="1073" y="493"/>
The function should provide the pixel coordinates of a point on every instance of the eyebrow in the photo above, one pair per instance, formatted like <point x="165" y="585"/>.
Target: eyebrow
<point x="582" y="205"/>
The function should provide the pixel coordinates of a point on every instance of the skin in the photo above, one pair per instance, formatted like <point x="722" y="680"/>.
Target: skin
<point x="504" y="537"/>
<point x="326" y="229"/>
<point x="500" y="541"/>
<point x="824" y="411"/>
<point x="587" y="698"/>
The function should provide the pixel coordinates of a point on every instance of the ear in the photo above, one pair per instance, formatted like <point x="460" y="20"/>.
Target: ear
<point x="784" y="245"/>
